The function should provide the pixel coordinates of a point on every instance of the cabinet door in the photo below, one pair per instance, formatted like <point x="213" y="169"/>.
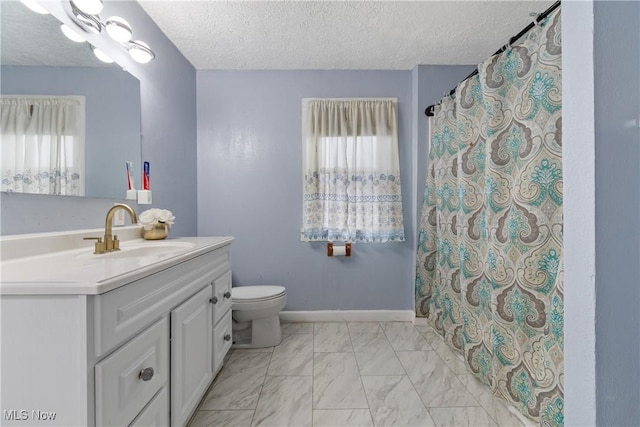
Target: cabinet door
<point x="191" y="354"/>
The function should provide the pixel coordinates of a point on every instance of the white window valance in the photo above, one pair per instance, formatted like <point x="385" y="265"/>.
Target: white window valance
<point x="351" y="182"/>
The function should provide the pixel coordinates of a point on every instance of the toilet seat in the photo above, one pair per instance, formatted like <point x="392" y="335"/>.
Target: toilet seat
<point x="250" y="294"/>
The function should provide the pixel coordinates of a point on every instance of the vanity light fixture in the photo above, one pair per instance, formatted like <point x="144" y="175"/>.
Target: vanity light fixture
<point x="85" y="14"/>
<point x="71" y="35"/>
<point x="140" y="52"/>
<point x="34" y="6"/>
<point x="90" y="7"/>
<point x="101" y="55"/>
<point x="90" y="23"/>
<point x="118" y="29"/>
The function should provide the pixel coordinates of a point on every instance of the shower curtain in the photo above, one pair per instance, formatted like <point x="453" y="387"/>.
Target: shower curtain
<point x="489" y="266"/>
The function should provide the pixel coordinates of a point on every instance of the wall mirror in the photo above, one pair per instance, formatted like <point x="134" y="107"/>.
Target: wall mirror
<point x="38" y="62"/>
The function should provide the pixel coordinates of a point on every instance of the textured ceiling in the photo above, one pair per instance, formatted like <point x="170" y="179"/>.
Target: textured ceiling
<point x="27" y="38"/>
<point x="394" y="35"/>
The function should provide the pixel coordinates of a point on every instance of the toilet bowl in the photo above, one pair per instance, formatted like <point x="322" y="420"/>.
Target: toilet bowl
<point x="255" y="310"/>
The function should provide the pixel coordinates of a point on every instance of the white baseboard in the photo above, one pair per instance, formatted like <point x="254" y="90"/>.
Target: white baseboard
<point x="348" y="316"/>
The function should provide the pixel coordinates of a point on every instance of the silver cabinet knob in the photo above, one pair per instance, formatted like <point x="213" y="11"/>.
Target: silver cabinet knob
<point x="227" y="337"/>
<point x="214" y="300"/>
<point x="227" y="294"/>
<point x="146" y="374"/>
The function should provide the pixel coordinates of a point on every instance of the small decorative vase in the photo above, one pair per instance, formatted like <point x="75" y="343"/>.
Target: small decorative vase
<point x="158" y="232"/>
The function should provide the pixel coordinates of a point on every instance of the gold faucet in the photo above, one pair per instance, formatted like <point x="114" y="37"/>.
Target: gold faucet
<point x="111" y="242"/>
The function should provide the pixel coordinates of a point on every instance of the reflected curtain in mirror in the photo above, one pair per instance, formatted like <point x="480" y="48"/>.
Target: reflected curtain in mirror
<point x="43" y="144"/>
<point x="351" y="181"/>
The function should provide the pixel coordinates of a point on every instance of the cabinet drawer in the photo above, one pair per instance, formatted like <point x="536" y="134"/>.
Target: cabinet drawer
<point x="222" y="340"/>
<point x="156" y="413"/>
<point x="123" y="312"/>
<point x="222" y="292"/>
<point x="121" y="392"/>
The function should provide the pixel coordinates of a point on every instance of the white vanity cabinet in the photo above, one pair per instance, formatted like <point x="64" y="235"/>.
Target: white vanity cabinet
<point x="142" y="353"/>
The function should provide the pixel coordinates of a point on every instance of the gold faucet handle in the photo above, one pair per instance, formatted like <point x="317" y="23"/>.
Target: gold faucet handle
<point x="99" y="246"/>
<point x="116" y="243"/>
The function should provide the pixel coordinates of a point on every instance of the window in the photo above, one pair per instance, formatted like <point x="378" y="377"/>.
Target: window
<point x="351" y="168"/>
<point x="42" y="145"/>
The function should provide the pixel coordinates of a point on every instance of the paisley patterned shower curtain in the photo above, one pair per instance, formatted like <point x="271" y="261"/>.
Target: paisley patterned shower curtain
<point x="489" y="267"/>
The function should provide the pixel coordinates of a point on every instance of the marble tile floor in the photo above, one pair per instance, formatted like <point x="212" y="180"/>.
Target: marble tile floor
<point x="351" y="374"/>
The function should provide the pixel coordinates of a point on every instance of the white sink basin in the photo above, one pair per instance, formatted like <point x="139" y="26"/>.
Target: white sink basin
<point x="62" y="263"/>
<point x="161" y="249"/>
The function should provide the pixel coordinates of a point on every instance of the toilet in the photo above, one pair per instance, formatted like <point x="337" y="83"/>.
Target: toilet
<point x="255" y="312"/>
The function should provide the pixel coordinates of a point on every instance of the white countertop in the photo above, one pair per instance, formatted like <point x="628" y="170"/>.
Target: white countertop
<point x="79" y="271"/>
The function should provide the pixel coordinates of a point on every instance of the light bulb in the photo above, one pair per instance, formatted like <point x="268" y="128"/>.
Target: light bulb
<point x="118" y="29"/>
<point x="71" y="35"/>
<point x="31" y="4"/>
<point x="91" y="7"/>
<point x="101" y="55"/>
<point x="140" y="52"/>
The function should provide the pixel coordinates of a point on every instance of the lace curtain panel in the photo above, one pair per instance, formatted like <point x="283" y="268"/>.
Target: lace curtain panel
<point x="351" y="182"/>
<point x="489" y="265"/>
<point x="42" y="144"/>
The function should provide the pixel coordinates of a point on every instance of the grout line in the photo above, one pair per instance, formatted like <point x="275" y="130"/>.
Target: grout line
<point x="409" y="377"/>
<point x="360" y="374"/>
<point x="455" y="375"/>
<point x="353" y="349"/>
<point x="507" y="406"/>
<point x="211" y="386"/>
<point x="523" y="419"/>
<point x="255" y="410"/>
<point x="313" y="366"/>
<point x="313" y="341"/>
<point x="387" y="338"/>
<point x="396" y="354"/>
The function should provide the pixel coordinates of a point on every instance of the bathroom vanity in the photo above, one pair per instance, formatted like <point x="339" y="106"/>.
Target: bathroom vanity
<point x="133" y="337"/>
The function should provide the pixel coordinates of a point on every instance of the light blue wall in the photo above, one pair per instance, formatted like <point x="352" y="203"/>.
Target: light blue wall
<point x="168" y="118"/>
<point x="578" y="163"/>
<point x="112" y="116"/>
<point x="617" y="106"/>
<point x="249" y="175"/>
<point x="249" y="183"/>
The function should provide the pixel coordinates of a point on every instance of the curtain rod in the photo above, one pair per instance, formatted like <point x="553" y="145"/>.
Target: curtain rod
<point x="430" y="109"/>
